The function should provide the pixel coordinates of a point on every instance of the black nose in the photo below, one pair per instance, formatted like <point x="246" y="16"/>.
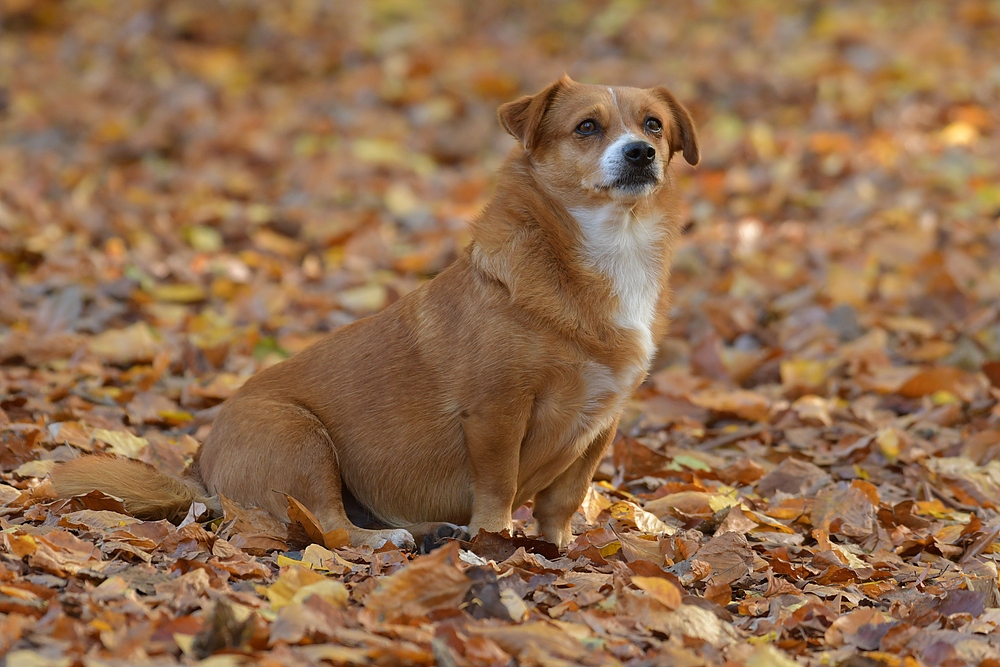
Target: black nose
<point x="639" y="153"/>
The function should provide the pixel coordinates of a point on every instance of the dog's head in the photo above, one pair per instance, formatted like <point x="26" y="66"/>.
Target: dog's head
<point x="601" y="143"/>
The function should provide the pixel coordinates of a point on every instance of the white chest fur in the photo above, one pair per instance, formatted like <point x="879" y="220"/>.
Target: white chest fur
<point x="628" y="252"/>
<point x="626" y="249"/>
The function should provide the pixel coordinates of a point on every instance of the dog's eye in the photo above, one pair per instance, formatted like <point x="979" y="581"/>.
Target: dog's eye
<point x="588" y="127"/>
<point x="653" y="125"/>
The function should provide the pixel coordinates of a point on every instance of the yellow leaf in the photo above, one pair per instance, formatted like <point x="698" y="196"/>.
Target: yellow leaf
<point x="400" y="200"/>
<point x="805" y="373"/>
<point x="718" y="501"/>
<point x="943" y="397"/>
<point x="35" y="469"/>
<point x="364" y="299"/>
<point x="21" y="545"/>
<point x="321" y="558"/>
<point x="285" y="561"/>
<point x="610" y="549"/>
<point x="639" y="518"/>
<point x="121" y="443"/>
<point x="185" y="643"/>
<point x="661" y="590"/>
<point x="175" y="416"/>
<point x="296" y="583"/>
<point x="959" y="134"/>
<point x="181" y="293"/>
<point x="766" y="655"/>
<point x="204" y="238"/>
<point x="593" y="504"/>
<point x="887" y="440"/>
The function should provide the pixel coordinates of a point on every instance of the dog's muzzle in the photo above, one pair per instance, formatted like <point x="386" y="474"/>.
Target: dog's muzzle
<point x="637" y="169"/>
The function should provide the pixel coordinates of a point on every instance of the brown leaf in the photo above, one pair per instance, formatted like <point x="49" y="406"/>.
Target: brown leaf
<point x="846" y="628"/>
<point x="945" y="378"/>
<point x="304" y="528"/>
<point x="729" y="556"/>
<point x="500" y="546"/>
<point x="741" y="471"/>
<point x="745" y="404"/>
<point x="98" y="520"/>
<point x="535" y="639"/>
<point x="636" y="459"/>
<point x="792" y="476"/>
<point x="684" y="505"/>
<point x="61" y="553"/>
<point x="720" y="594"/>
<point x="223" y="631"/>
<point x="848" y="511"/>
<point x="253" y="530"/>
<point x="427" y="583"/>
<point x="991" y="369"/>
<point x="72" y="433"/>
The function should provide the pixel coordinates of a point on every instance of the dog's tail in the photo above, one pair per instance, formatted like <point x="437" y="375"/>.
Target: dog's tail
<point x="147" y="492"/>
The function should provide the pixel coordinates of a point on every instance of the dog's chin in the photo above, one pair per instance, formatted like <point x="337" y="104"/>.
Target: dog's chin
<point x="627" y="189"/>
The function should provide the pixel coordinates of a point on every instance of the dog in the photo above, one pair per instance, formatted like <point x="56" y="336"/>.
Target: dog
<point x="498" y="382"/>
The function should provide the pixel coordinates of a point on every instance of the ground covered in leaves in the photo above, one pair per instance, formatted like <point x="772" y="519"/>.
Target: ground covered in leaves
<point x="193" y="190"/>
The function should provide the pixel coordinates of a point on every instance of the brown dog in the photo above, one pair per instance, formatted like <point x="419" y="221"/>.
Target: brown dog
<point x="498" y="382"/>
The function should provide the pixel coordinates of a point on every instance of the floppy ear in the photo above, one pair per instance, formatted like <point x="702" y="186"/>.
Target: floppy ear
<point x="522" y="117"/>
<point x="682" y="137"/>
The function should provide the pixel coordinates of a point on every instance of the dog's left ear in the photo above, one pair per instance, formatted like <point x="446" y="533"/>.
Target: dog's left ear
<point x="682" y="136"/>
<point x="522" y="117"/>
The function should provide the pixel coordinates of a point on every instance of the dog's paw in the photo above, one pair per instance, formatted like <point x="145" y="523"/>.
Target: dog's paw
<point x="444" y="532"/>
<point x="401" y="538"/>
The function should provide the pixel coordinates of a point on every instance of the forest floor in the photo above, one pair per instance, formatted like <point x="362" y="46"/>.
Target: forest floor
<point x="191" y="191"/>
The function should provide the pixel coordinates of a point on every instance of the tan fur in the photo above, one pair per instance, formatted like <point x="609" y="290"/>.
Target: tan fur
<point x="146" y="492"/>
<point x="498" y="382"/>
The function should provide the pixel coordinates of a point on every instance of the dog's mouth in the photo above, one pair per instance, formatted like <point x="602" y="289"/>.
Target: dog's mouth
<point x="635" y="183"/>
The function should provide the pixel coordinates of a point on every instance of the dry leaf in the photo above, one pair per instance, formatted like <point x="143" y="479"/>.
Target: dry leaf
<point x="429" y="582"/>
<point x="661" y="590"/>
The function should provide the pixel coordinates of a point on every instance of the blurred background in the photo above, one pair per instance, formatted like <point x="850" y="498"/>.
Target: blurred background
<point x="207" y="186"/>
<point x="191" y="190"/>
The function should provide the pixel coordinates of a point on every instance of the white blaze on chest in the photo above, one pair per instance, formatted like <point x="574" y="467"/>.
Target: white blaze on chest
<point x="626" y="250"/>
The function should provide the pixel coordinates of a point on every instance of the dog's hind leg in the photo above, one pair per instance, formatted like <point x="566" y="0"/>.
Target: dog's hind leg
<point x="326" y="502"/>
<point x="273" y="448"/>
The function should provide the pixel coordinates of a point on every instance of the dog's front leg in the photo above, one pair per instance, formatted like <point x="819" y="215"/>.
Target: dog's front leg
<point x="493" y="441"/>
<point x="555" y="504"/>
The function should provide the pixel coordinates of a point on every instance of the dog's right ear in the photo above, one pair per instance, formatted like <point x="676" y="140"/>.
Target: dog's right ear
<point x="522" y="117"/>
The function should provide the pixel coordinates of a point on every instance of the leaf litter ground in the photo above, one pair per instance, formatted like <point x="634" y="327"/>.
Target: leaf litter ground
<point x="192" y="191"/>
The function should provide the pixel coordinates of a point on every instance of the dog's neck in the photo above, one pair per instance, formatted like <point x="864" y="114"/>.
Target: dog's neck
<point x="626" y="246"/>
<point x="598" y="270"/>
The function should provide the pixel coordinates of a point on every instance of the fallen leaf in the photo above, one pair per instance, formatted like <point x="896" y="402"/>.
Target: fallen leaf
<point x="131" y="345"/>
<point x="429" y="582"/>
<point x="745" y="404"/>
<point x="295" y="584"/>
<point x="661" y="590"/>
<point x="728" y="555"/>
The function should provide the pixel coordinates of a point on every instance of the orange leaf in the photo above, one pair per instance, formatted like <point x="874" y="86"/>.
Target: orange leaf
<point x="299" y="515"/>
<point x="661" y="590"/>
